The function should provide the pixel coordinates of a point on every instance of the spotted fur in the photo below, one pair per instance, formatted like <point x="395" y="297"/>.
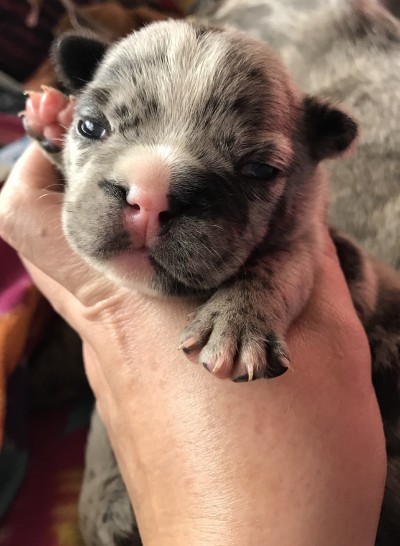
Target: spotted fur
<point x="236" y="104"/>
<point x="354" y="53"/>
<point x="219" y="121"/>
<point x="209" y="99"/>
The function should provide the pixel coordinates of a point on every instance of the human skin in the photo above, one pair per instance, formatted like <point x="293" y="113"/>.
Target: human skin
<point x="297" y="460"/>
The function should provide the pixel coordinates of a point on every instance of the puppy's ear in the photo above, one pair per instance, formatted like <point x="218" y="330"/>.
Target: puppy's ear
<point x="329" y="130"/>
<point x="76" y="57"/>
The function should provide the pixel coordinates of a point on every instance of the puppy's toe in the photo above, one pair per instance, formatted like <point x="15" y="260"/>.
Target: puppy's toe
<point x="251" y="361"/>
<point x="278" y="360"/>
<point x="47" y="116"/>
<point x="218" y="356"/>
<point x="197" y="333"/>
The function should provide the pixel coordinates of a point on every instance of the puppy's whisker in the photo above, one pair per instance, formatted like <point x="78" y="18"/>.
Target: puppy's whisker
<point x="55" y="185"/>
<point x="44" y="195"/>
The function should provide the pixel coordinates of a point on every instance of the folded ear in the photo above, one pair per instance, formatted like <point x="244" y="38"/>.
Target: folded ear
<point x="76" y="57"/>
<point x="329" y="130"/>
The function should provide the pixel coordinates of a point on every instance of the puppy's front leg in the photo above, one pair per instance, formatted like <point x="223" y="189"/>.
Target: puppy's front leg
<point x="239" y="332"/>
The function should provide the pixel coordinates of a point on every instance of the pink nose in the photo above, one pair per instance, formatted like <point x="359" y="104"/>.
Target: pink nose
<point x="142" y="218"/>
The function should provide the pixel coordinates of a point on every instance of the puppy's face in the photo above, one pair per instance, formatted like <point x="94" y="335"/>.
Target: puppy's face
<point x="181" y="148"/>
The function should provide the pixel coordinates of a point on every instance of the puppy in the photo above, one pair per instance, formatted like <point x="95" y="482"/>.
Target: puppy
<point x="221" y="199"/>
<point x="348" y="51"/>
<point x="354" y="55"/>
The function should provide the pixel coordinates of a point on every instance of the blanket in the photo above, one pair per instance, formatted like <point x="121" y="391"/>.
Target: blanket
<point x="20" y="318"/>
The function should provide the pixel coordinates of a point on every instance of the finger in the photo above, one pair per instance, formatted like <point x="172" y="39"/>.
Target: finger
<point x="330" y="317"/>
<point x="30" y="221"/>
<point x="63" y="302"/>
<point x="104" y="392"/>
<point x="34" y="170"/>
<point x="331" y="293"/>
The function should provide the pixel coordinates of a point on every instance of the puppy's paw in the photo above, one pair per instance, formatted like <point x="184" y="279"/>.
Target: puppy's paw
<point x="235" y="343"/>
<point x="47" y="117"/>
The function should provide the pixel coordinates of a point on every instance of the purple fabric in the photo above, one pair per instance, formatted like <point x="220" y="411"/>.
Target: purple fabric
<point x="24" y="48"/>
<point x="13" y="278"/>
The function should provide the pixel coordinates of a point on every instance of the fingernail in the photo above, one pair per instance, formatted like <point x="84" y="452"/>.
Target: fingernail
<point x="28" y="92"/>
<point x="21" y="114"/>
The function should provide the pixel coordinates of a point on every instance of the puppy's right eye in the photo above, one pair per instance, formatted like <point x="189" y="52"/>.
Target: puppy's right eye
<point x="91" y="129"/>
<point x="259" y="171"/>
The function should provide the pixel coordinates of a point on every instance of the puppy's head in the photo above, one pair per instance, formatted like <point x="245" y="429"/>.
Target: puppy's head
<point x="185" y="139"/>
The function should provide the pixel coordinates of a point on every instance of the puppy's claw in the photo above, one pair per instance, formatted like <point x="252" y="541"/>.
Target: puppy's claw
<point x="47" y="88"/>
<point x="25" y="124"/>
<point x="188" y="345"/>
<point x="285" y="361"/>
<point x="49" y="146"/>
<point x="242" y="378"/>
<point x="275" y="369"/>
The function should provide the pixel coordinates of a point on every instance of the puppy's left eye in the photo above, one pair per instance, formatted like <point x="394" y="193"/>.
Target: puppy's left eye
<point x="259" y="171"/>
<point x="91" y="129"/>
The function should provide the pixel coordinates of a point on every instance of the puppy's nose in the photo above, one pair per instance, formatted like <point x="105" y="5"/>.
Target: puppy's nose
<point x="144" y="213"/>
<point x="148" y="178"/>
<point x="142" y="217"/>
<point x="144" y="202"/>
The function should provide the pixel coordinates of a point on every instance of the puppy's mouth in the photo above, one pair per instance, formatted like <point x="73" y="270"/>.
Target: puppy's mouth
<point x="132" y="263"/>
<point x="185" y="255"/>
<point x="146" y="267"/>
<point x="143" y="233"/>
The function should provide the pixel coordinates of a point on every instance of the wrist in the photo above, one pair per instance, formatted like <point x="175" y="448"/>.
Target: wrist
<point x="214" y="462"/>
<point x="194" y="477"/>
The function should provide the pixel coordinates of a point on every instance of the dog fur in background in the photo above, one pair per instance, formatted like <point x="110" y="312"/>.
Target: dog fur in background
<point x="239" y="203"/>
<point x="348" y="51"/>
<point x="353" y="56"/>
<point x="111" y="20"/>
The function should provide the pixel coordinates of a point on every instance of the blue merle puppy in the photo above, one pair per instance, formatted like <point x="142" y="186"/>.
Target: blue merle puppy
<point x="192" y="168"/>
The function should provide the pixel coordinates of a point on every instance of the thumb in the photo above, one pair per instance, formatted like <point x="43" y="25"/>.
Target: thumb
<point x="30" y="221"/>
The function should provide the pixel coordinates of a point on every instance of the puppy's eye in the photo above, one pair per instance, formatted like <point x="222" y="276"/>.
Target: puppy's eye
<point x="259" y="171"/>
<point x="91" y="129"/>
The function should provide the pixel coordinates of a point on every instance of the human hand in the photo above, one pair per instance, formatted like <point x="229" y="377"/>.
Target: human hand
<point x="202" y="458"/>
